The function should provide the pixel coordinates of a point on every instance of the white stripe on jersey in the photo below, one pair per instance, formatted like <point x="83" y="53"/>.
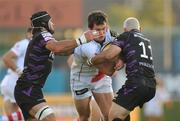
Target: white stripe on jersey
<point x="47" y="35"/>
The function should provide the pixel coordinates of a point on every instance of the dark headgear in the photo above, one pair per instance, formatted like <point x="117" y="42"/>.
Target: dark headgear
<point x="40" y="19"/>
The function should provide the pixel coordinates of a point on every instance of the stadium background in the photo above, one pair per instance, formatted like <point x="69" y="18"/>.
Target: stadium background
<point x="160" y="21"/>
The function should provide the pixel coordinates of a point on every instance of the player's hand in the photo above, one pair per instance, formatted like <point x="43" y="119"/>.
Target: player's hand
<point x="87" y="36"/>
<point x="91" y="35"/>
<point x="19" y="71"/>
<point x="119" y="65"/>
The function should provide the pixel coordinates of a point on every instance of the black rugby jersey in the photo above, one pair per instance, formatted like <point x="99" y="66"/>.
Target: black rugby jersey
<point x="38" y="60"/>
<point x="137" y="54"/>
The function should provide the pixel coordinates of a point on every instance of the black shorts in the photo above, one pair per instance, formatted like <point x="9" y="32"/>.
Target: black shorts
<point x="27" y="96"/>
<point x="135" y="92"/>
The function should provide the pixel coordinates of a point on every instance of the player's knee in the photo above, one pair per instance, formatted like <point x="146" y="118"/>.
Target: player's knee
<point x="117" y="119"/>
<point x="43" y="113"/>
<point x="83" y="118"/>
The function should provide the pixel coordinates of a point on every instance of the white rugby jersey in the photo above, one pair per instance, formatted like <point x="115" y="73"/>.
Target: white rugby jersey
<point x="79" y="68"/>
<point x="20" y="50"/>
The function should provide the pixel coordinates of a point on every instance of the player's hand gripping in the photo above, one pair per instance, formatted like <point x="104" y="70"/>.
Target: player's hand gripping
<point x="87" y="36"/>
<point x="119" y="65"/>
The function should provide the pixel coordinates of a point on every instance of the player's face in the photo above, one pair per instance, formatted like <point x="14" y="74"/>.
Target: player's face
<point x="51" y="26"/>
<point x="101" y="29"/>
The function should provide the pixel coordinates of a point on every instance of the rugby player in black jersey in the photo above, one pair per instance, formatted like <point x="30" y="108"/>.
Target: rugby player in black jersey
<point x="37" y="66"/>
<point x="140" y="85"/>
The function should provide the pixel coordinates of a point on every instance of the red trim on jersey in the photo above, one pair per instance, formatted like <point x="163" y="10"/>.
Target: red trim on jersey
<point x="19" y="115"/>
<point x="97" y="77"/>
<point x="10" y="117"/>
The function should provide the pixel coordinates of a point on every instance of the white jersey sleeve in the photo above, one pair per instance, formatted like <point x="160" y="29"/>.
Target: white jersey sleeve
<point x="89" y="50"/>
<point x="18" y="48"/>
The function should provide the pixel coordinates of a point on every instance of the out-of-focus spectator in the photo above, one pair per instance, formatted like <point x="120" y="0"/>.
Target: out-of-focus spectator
<point x="154" y="109"/>
<point x="14" y="61"/>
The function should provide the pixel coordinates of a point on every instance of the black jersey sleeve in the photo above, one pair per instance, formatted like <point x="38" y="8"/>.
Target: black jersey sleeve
<point x="120" y="40"/>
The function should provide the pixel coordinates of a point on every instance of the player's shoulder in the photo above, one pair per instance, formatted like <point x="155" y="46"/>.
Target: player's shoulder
<point x="46" y="34"/>
<point x="141" y="35"/>
<point x="90" y="46"/>
<point x="91" y="43"/>
<point x="22" y="42"/>
<point x="123" y="36"/>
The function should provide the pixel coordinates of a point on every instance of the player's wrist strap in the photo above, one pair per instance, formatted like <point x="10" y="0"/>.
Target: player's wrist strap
<point x="89" y="62"/>
<point x="81" y="40"/>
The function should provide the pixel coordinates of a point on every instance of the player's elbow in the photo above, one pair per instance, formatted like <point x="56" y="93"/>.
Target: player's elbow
<point x="55" y="47"/>
<point x="5" y="58"/>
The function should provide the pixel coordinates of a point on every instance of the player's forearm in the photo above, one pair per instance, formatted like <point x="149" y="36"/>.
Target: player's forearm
<point x="61" y="47"/>
<point x="98" y="59"/>
<point x="84" y="38"/>
<point x="105" y="56"/>
<point x="9" y="63"/>
<point x="67" y="53"/>
<point x="65" y="46"/>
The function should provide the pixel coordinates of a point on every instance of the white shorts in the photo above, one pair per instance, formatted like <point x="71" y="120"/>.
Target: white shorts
<point x="151" y="112"/>
<point x="153" y="108"/>
<point x="7" y="87"/>
<point x="84" y="89"/>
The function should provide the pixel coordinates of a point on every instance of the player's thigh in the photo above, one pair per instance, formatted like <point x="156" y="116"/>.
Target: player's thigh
<point x="103" y="94"/>
<point x="104" y="101"/>
<point x="48" y="115"/>
<point x="118" y="111"/>
<point x="83" y="106"/>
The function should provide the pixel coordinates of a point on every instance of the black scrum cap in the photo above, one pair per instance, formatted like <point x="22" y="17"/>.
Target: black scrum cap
<point x="40" y="19"/>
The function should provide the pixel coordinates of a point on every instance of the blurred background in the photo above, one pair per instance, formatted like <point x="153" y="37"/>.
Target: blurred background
<point x="160" y="22"/>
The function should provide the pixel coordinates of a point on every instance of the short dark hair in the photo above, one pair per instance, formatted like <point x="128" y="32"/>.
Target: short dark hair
<point x="96" y="17"/>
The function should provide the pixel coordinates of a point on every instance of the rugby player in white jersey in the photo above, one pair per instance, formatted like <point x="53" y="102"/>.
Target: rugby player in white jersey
<point x="87" y="81"/>
<point x="14" y="60"/>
